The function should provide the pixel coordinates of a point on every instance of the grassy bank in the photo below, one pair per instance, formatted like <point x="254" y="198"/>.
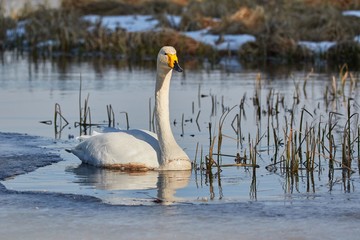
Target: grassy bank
<point x="278" y="26"/>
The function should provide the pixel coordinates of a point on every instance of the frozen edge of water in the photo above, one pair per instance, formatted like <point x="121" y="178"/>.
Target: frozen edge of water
<point x="22" y="153"/>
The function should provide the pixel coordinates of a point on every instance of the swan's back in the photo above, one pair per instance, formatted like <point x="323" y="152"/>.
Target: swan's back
<point x="126" y="150"/>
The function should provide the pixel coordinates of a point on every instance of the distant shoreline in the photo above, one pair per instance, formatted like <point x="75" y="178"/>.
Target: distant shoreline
<point x="253" y="31"/>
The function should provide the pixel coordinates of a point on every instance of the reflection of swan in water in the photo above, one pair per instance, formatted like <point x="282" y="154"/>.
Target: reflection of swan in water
<point x="166" y="182"/>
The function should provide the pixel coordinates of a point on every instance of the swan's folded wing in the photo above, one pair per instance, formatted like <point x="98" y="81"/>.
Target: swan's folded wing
<point x="125" y="148"/>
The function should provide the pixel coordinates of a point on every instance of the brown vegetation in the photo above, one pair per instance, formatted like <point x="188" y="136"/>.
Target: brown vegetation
<point x="278" y="26"/>
<point x="142" y="44"/>
<point x="340" y="4"/>
<point x="125" y="7"/>
<point x="5" y="23"/>
<point x="60" y="26"/>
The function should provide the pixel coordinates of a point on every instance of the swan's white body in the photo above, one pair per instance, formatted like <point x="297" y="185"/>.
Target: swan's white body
<point x="140" y="149"/>
<point x="120" y="149"/>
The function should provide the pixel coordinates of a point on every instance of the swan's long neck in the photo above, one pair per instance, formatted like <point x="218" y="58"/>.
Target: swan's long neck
<point x="170" y="150"/>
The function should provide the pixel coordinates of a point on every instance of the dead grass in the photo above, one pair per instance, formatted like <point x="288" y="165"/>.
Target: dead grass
<point x="68" y="33"/>
<point x="60" y="26"/>
<point x="5" y="23"/>
<point x="125" y="7"/>
<point x="201" y="14"/>
<point x="320" y="24"/>
<point x="345" y="52"/>
<point x="136" y="45"/>
<point x="283" y="27"/>
<point x="277" y="25"/>
<point x="250" y="17"/>
<point x="297" y="21"/>
<point x="340" y="4"/>
<point x="244" y="20"/>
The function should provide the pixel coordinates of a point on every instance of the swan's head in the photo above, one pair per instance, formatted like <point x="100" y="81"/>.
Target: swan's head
<point x="167" y="59"/>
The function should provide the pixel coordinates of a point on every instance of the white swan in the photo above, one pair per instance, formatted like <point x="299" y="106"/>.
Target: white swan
<point x="140" y="149"/>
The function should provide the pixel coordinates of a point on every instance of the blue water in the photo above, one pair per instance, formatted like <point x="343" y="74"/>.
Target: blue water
<point x="45" y="192"/>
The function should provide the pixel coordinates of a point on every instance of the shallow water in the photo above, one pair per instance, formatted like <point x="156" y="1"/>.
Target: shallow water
<point x="85" y="202"/>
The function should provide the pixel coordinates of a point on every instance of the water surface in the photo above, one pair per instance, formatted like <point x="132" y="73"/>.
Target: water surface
<point x="85" y="202"/>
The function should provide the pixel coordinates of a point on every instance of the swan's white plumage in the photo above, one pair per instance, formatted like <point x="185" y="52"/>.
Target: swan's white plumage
<point x="122" y="149"/>
<point x="140" y="149"/>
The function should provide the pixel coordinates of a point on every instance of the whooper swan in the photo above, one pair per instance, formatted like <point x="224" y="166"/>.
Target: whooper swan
<point x="138" y="149"/>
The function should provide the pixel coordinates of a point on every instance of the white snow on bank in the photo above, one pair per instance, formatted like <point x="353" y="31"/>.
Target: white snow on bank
<point x="317" y="47"/>
<point x="141" y="23"/>
<point x="353" y="13"/>
<point x="226" y="42"/>
<point x="130" y="23"/>
<point x="174" y="20"/>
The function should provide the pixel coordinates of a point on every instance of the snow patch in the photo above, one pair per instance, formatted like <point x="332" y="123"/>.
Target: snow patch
<point x="352" y="13"/>
<point x="174" y="20"/>
<point x="357" y="38"/>
<point x="130" y="23"/>
<point x="225" y="42"/>
<point x="317" y="47"/>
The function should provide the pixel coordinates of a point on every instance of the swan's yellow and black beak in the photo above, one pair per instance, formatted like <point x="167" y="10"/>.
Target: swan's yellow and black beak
<point x="174" y="63"/>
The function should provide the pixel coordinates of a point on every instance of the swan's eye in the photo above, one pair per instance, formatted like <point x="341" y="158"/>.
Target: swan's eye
<point x="165" y="54"/>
